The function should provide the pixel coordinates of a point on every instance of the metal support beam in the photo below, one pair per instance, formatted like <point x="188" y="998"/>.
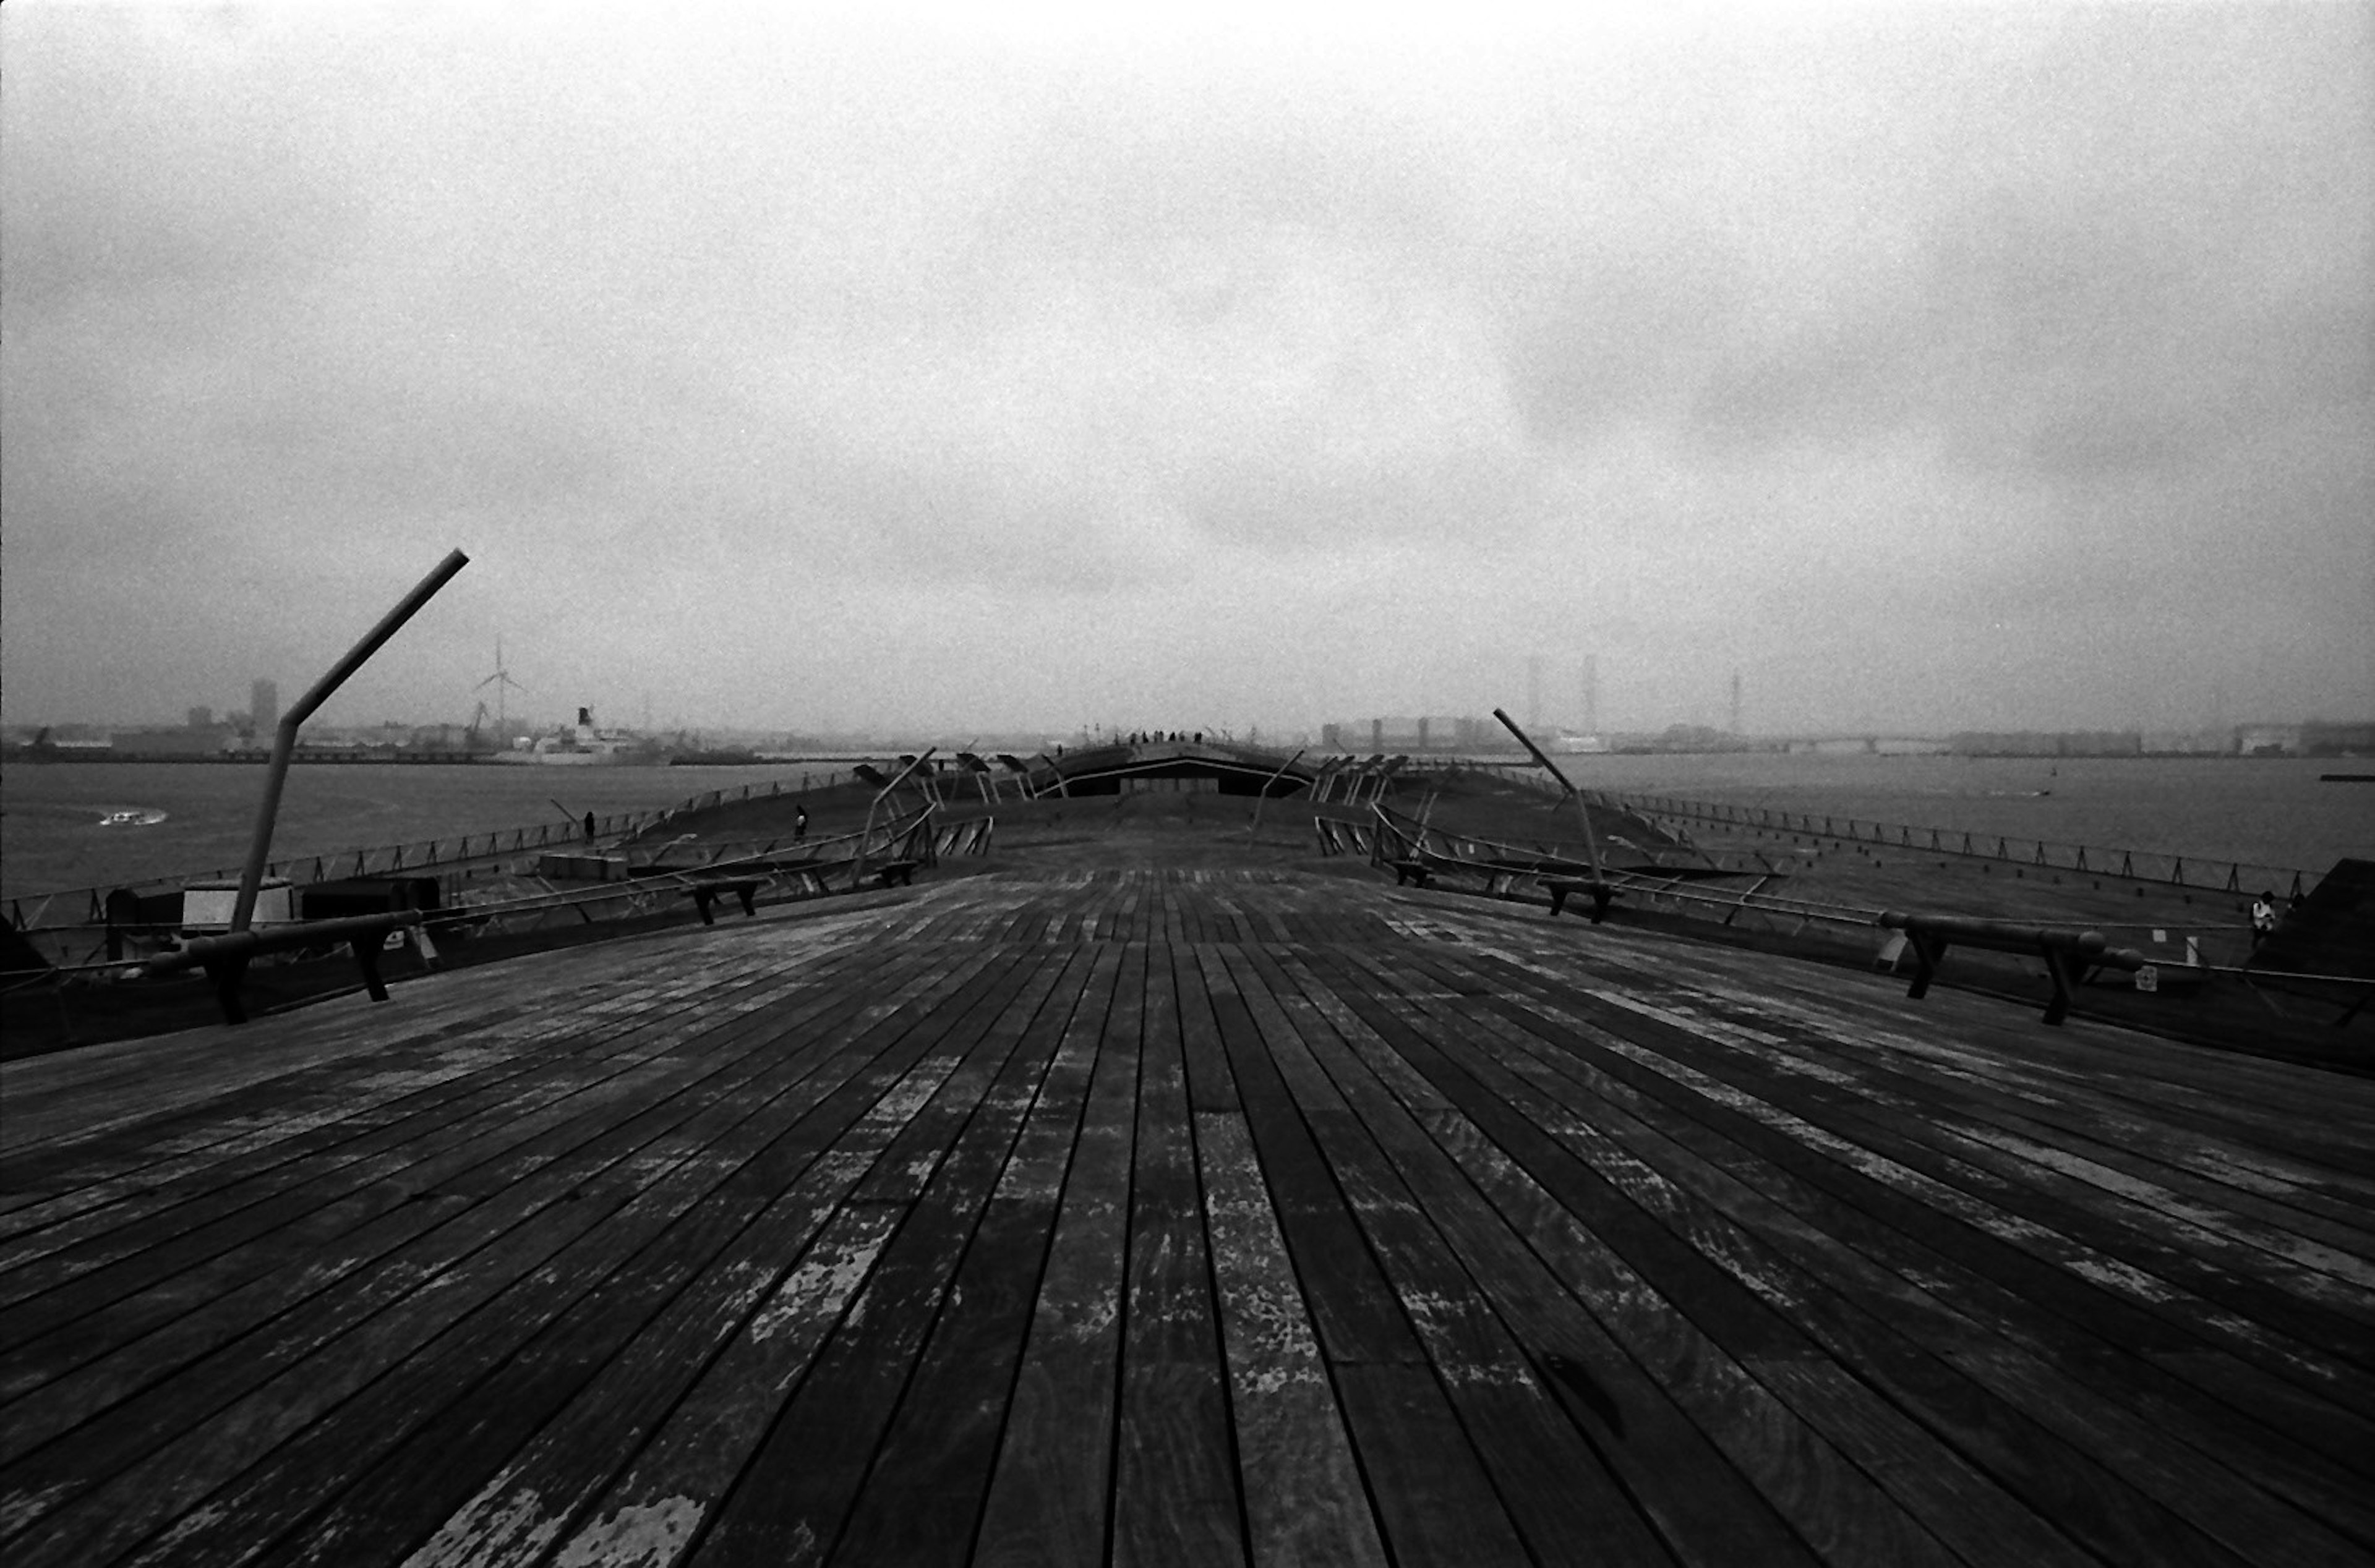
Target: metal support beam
<point x="284" y="740"/>
<point x="1263" y="797"/>
<point x="1583" y="812"/>
<point x="858" y="865"/>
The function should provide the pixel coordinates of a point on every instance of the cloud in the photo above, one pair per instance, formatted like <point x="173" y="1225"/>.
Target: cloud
<point x="1700" y="338"/>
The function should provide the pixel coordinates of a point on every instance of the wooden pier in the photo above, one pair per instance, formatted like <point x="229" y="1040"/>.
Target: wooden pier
<point x="1184" y="1216"/>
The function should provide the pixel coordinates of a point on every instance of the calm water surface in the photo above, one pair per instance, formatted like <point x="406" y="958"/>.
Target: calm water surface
<point x="53" y="836"/>
<point x="2263" y="812"/>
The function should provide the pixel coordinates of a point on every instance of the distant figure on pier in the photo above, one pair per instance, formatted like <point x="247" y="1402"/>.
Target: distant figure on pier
<point x="799" y="824"/>
<point x="2263" y="917"/>
<point x="589" y="827"/>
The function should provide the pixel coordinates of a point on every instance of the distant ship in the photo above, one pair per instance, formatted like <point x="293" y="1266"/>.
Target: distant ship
<point x="583" y="747"/>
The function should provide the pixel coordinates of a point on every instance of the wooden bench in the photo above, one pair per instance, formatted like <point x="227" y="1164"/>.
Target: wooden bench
<point x="2070" y="956"/>
<point x="225" y="958"/>
<point x="709" y="890"/>
<point x="1423" y="869"/>
<point x="1560" y="888"/>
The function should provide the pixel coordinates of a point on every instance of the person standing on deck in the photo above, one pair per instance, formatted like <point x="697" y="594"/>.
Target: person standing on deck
<point x="2263" y="918"/>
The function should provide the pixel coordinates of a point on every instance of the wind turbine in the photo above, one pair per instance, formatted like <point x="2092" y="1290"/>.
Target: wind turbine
<point x="503" y="682"/>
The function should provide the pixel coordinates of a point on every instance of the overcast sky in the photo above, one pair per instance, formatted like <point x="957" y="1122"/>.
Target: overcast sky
<point x="1932" y="367"/>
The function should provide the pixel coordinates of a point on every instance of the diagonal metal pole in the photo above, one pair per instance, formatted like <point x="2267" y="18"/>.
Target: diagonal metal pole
<point x="1591" y="844"/>
<point x="284" y="739"/>
<point x="1263" y="798"/>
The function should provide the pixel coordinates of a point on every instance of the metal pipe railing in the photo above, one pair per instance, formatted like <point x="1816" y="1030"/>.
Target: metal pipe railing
<point x="1582" y="810"/>
<point x="857" y="865"/>
<point x="284" y="740"/>
<point x="1263" y="798"/>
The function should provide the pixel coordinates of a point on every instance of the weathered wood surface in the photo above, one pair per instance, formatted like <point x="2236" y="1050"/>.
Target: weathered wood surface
<point x="1186" y="1217"/>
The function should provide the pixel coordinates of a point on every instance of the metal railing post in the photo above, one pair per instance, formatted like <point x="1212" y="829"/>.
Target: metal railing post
<point x="858" y="867"/>
<point x="1263" y="797"/>
<point x="1591" y="843"/>
<point x="284" y="739"/>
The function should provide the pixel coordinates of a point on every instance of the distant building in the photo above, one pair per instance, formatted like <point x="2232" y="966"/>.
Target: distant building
<point x="2188" y="742"/>
<point x="2045" y="743"/>
<point x="190" y="741"/>
<point x="2321" y="739"/>
<point x="1434" y="732"/>
<point x="263" y="706"/>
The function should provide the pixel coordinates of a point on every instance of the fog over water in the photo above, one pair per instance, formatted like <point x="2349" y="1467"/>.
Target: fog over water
<point x="841" y="367"/>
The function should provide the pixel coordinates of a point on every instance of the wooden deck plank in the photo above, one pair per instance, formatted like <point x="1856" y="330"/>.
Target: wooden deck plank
<point x="1304" y="1501"/>
<point x="2188" y="1175"/>
<point x="537" y="1491"/>
<point x="318" y="1201"/>
<point x="930" y="1479"/>
<point x="656" y="1185"/>
<point x="1050" y="1494"/>
<point x="267" y="1133"/>
<point x="1691" y="1330"/>
<point x="2279" y="1111"/>
<point x="2091" y="1277"/>
<point x="492" y="1401"/>
<point x="2191" y="1268"/>
<point x="445" y="1181"/>
<point x="1175" y="1479"/>
<point x="2177" y="1478"/>
<point x="2094" y="1288"/>
<point x="1555" y="1486"/>
<point x="125" y="1503"/>
<point x="1210" y="1085"/>
<point x="788" y="1271"/>
<point x="1954" y="1496"/>
<point x="1941" y="1117"/>
<point x="534" y="1199"/>
<point x="1759" y="1243"/>
<point x="1350" y="1303"/>
<point x="793" y="1494"/>
<point x="1080" y="1215"/>
<point x="1695" y="1501"/>
<point x="181" y="1095"/>
<point x="2169" y="1181"/>
<point x="294" y="1115"/>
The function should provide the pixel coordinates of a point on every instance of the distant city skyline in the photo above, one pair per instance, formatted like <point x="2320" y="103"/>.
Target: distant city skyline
<point x="1552" y="720"/>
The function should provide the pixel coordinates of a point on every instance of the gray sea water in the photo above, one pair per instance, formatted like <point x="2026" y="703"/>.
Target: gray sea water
<point x="2263" y="811"/>
<point x="55" y="831"/>
<point x="2270" y="811"/>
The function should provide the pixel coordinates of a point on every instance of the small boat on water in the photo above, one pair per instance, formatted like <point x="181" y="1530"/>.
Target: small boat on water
<point x="133" y="817"/>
